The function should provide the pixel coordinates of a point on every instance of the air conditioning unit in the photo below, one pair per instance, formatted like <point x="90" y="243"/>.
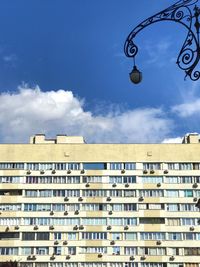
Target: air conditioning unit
<point x="108" y="199"/>
<point x="17" y="227"/>
<point x="145" y="171"/>
<point x="112" y="242"/>
<point x="87" y="185"/>
<point x="7" y="229"/>
<point x="35" y="227"/>
<point x="126" y="227"/>
<point x="123" y="171"/>
<point x="158" y="184"/>
<point x="81" y="227"/>
<point x="195" y="185"/>
<point x="166" y="171"/>
<point x="195" y="199"/>
<point x="152" y="171"/>
<point x="76" y="212"/>
<point x="53" y="171"/>
<point x="28" y="172"/>
<point x="52" y="257"/>
<point x="33" y="257"/>
<point x="80" y="199"/>
<point x="141" y="198"/>
<point x="42" y="172"/>
<point x="191" y="228"/>
<point x="110" y="212"/>
<point x="75" y="227"/>
<point x="158" y="242"/>
<point x="68" y="257"/>
<point x="126" y="185"/>
<point x="51" y="227"/>
<point x="109" y="227"/>
<point x="100" y="255"/>
<point x="65" y="242"/>
<point x="56" y="242"/>
<point x="82" y="171"/>
<point x="66" y="212"/>
<point x="66" y="199"/>
<point x="143" y="257"/>
<point x="172" y="258"/>
<point x="132" y="258"/>
<point x="114" y="185"/>
<point x="51" y="212"/>
<point x="69" y="171"/>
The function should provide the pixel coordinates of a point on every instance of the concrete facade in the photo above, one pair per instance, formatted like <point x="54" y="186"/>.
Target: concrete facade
<point x="67" y="203"/>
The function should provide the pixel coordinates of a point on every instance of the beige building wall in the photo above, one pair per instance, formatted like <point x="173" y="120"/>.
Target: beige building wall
<point x="67" y="203"/>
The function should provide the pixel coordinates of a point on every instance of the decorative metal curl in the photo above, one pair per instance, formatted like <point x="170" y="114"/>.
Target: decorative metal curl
<point x="186" y="13"/>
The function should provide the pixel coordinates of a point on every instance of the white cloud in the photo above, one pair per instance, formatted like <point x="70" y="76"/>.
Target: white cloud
<point x="175" y="140"/>
<point x="187" y="109"/>
<point x="30" y="111"/>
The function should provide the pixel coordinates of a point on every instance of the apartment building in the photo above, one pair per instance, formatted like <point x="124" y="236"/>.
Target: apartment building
<point x="65" y="203"/>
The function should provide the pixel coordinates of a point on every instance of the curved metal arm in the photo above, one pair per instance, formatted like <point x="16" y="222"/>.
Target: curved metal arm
<point x="180" y="12"/>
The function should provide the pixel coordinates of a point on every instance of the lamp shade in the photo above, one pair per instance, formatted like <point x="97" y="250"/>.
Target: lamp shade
<point x="135" y="75"/>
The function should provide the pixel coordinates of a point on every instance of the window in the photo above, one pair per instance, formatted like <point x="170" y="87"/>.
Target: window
<point x="94" y="221"/>
<point x="72" y="236"/>
<point x="116" y="236"/>
<point x="115" y="221"/>
<point x="173" y="166"/>
<point x="28" y="236"/>
<point x="153" y="251"/>
<point x="172" y="193"/>
<point x="173" y="221"/>
<point x="130" y="221"/>
<point x="57" y="250"/>
<point x="151" y="193"/>
<point x="10" y="207"/>
<point x="189" y="221"/>
<point x="92" y="179"/>
<point x="129" y="166"/>
<point x="152" y="220"/>
<point x="17" y="166"/>
<point x="8" y="235"/>
<point x="130" y="179"/>
<point x="42" y="250"/>
<point x="8" y="251"/>
<point x="10" y="179"/>
<point x="27" y="250"/>
<point x="130" y="250"/>
<point x="151" y="179"/>
<point x="151" y="166"/>
<point x="116" y="207"/>
<point x="115" y="179"/>
<point x="172" y="179"/>
<point x="188" y="193"/>
<point x="115" y="193"/>
<point x="94" y="235"/>
<point x="185" y="166"/>
<point x="172" y="207"/>
<point x="130" y="193"/>
<point x="152" y="236"/>
<point x="174" y="236"/>
<point x="130" y="207"/>
<point x="192" y="251"/>
<point x="42" y="236"/>
<point x="116" y="166"/>
<point x="94" y="193"/>
<point x="57" y="236"/>
<point x="186" y="179"/>
<point x="31" y="193"/>
<point x="93" y="250"/>
<point x="94" y="166"/>
<point x="130" y="236"/>
<point x="116" y="250"/>
<point x="72" y="250"/>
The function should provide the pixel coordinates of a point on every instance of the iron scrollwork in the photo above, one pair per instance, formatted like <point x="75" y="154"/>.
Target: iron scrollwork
<point x="186" y="13"/>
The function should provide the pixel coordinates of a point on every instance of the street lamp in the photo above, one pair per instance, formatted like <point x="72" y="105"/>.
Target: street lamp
<point x="186" y="13"/>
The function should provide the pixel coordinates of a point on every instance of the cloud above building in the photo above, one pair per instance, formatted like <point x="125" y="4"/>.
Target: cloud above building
<point x="30" y="110"/>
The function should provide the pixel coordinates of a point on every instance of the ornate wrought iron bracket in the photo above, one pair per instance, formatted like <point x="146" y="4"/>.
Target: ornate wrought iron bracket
<point x="186" y="13"/>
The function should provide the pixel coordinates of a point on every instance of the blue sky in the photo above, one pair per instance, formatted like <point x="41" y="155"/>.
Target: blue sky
<point x="63" y="70"/>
